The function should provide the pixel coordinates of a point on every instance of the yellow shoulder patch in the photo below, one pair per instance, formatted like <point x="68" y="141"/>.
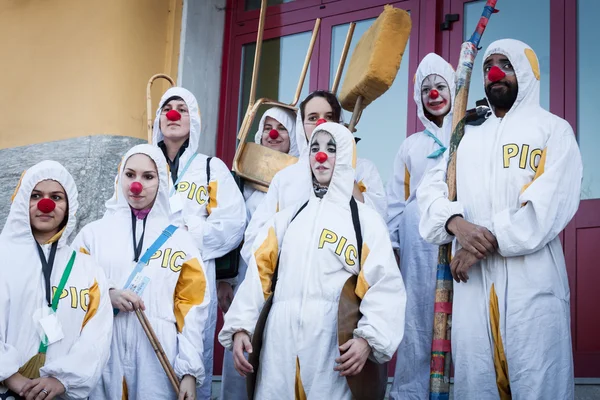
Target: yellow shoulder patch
<point x="533" y="61"/>
<point x="362" y="285"/>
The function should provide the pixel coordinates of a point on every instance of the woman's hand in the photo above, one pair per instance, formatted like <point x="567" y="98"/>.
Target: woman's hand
<point x="224" y="295"/>
<point x="16" y="382"/>
<point x="126" y="300"/>
<point x="241" y="343"/>
<point x="42" y="389"/>
<point x="354" y="354"/>
<point x="187" y="388"/>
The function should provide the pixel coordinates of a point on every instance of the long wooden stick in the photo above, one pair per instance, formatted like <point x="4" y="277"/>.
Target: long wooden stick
<point x="440" y="348"/>
<point x="149" y="113"/>
<point x="311" y="46"/>
<point x="158" y="349"/>
<point x="342" y="63"/>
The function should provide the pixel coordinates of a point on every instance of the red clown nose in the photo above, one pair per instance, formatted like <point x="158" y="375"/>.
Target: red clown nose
<point x="321" y="157"/>
<point x="173" y="115"/>
<point x="136" y="187"/>
<point x="496" y="74"/>
<point x="46" y="206"/>
<point x="273" y="134"/>
<point x="434" y="94"/>
<point x="320" y="121"/>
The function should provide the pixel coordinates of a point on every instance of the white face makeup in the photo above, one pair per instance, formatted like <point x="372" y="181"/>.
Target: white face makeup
<point x="140" y="169"/>
<point x="435" y="95"/>
<point x="278" y="140"/>
<point x="178" y="126"/>
<point x="322" y="157"/>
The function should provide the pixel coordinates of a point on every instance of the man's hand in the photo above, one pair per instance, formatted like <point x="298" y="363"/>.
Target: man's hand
<point x="476" y="239"/>
<point x="241" y="343"/>
<point x="42" y="389"/>
<point x="225" y="295"/>
<point x="354" y="354"/>
<point x="126" y="300"/>
<point x="460" y="264"/>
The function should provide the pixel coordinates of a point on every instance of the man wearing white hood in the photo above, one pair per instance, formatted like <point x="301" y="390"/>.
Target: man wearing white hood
<point x="518" y="183"/>
<point x="275" y="131"/>
<point x="433" y="94"/>
<point x="290" y="185"/>
<point x="206" y="201"/>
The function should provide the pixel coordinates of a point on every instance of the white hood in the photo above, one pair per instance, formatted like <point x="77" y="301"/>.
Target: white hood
<point x="18" y="225"/>
<point x="526" y="66"/>
<point x="195" y="121"/>
<point x="285" y="118"/>
<point x="434" y="64"/>
<point x="342" y="180"/>
<point x="118" y="202"/>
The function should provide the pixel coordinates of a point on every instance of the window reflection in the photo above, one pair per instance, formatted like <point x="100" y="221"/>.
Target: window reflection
<point x="528" y="21"/>
<point x="382" y="127"/>
<point x="588" y="87"/>
<point x="280" y="66"/>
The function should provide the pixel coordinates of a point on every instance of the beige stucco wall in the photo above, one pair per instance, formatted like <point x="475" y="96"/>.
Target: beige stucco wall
<point x="72" y="68"/>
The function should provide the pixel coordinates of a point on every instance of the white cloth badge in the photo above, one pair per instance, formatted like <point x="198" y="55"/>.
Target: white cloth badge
<point x="52" y="328"/>
<point x="175" y="203"/>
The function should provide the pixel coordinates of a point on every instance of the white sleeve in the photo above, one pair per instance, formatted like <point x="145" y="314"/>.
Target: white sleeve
<point x="374" y="194"/>
<point x="256" y="287"/>
<point x="436" y="209"/>
<point x="8" y="354"/>
<point x="381" y="288"/>
<point x="192" y="297"/>
<point x="79" y="370"/>
<point x="223" y="229"/>
<point x="267" y="208"/>
<point x="548" y="203"/>
<point x="397" y="191"/>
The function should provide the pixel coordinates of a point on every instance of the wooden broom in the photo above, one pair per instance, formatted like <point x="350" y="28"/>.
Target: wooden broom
<point x="440" y="349"/>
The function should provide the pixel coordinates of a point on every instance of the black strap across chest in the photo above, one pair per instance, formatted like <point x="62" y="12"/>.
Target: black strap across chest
<point x="357" y="232"/>
<point x="137" y="246"/>
<point x="47" y="267"/>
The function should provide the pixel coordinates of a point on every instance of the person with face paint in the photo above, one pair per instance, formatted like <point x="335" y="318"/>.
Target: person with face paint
<point x="276" y="131"/>
<point x="300" y="356"/>
<point x="290" y="185"/>
<point x="206" y="200"/>
<point x="55" y="314"/>
<point x="175" y="295"/>
<point x="518" y="179"/>
<point x="433" y="94"/>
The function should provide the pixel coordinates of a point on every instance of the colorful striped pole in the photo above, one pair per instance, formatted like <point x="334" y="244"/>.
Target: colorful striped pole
<point x="442" y="323"/>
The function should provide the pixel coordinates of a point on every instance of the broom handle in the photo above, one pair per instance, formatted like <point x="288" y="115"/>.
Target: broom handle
<point x="149" y="114"/>
<point x="440" y="348"/>
<point x="158" y="349"/>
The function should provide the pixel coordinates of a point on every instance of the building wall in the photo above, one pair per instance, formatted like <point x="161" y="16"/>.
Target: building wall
<point x="75" y="68"/>
<point x="200" y="63"/>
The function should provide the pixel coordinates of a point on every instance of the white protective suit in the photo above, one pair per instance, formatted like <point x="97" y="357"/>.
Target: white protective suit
<point x="233" y="385"/>
<point x="291" y="185"/>
<point x="84" y="309"/>
<point x="214" y="213"/>
<point x="176" y="298"/>
<point x="520" y="177"/>
<point x="317" y="254"/>
<point x="418" y="259"/>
